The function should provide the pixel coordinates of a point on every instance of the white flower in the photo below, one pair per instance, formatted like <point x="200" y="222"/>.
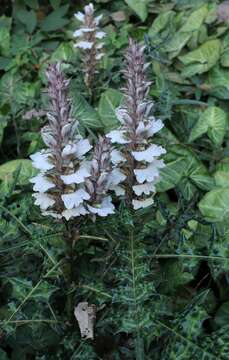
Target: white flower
<point x="51" y="213"/>
<point x="80" y="210"/>
<point x="145" y="188"/>
<point x="123" y="116"/>
<point x="40" y="160"/>
<point x="77" y="177"/>
<point x="115" y="177"/>
<point x="80" y="16"/>
<point x="99" y="56"/>
<point x="43" y="200"/>
<point x="81" y="31"/>
<point x="117" y="136"/>
<point x="99" y="46"/>
<point x="89" y="8"/>
<point x="84" y="44"/>
<point x="138" y="204"/>
<point x="119" y="190"/>
<point x="104" y="209"/>
<point x="100" y="34"/>
<point x="154" y="126"/>
<point x="149" y="154"/>
<point x="117" y="157"/>
<point x="82" y="147"/>
<point x="79" y="149"/>
<point x="41" y="183"/>
<point x="150" y="173"/>
<point x="98" y="18"/>
<point x="75" y="199"/>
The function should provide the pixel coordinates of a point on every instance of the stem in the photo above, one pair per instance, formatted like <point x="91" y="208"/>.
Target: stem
<point x="72" y="235"/>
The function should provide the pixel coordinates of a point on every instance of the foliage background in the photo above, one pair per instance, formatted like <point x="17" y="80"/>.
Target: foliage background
<point x="161" y="293"/>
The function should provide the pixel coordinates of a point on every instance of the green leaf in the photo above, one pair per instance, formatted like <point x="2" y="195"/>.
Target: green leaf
<point x="55" y="20"/>
<point x="3" y="124"/>
<point x="212" y="121"/>
<point x="28" y="18"/>
<point x="85" y="113"/>
<point x="139" y="7"/>
<point x="26" y="171"/>
<point x="224" y="60"/>
<point x="222" y="314"/>
<point x="64" y="52"/>
<point x="201" y="59"/>
<point x="3" y="355"/>
<point x="178" y="41"/>
<point x="161" y="22"/>
<point x="109" y="102"/>
<point x="171" y="174"/>
<point x="214" y="206"/>
<point x="195" y="20"/>
<point x="5" y="26"/>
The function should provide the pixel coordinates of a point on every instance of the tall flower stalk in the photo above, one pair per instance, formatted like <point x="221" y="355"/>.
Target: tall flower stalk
<point x="139" y="157"/>
<point x="89" y="42"/>
<point x="68" y="185"/>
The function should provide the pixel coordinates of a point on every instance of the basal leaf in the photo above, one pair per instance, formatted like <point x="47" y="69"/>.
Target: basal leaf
<point x="55" y="20"/>
<point x="212" y="121"/>
<point x="161" y="22"/>
<point x="109" y="102"/>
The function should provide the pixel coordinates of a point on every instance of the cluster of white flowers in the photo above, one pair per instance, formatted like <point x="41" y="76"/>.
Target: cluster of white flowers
<point x="139" y="158"/>
<point x="90" y="43"/>
<point x="69" y="185"/>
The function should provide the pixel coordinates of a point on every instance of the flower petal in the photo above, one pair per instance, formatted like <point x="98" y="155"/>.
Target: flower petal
<point x="115" y="177"/>
<point x="80" y="210"/>
<point x="76" y="178"/>
<point x="80" y="16"/>
<point x="117" y="157"/>
<point x="100" y="34"/>
<point x="104" y="209"/>
<point x="43" y="200"/>
<point x="138" y="204"/>
<point x="145" y="188"/>
<point x="75" y="199"/>
<point x="51" y="213"/>
<point x="84" y="44"/>
<point x="41" y="183"/>
<point x="117" y="136"/>
<point x="40" y="160"/>
<point x="150" y="173"/>
<point x="149" y="154"/>
<point x="82" y="147"/>
<point x="154" y="126"/>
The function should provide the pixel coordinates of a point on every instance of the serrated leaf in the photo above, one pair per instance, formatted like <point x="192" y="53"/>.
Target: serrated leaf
<point x="109" y="102"/>
<point x="139" y="7"/>
<point x="201" y="59"/>
<point x="212" y="121"/>
<point x="214" y="206"/>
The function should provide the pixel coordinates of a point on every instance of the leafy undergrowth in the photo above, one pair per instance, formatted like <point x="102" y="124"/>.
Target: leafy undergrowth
<point x="159" y="281"/>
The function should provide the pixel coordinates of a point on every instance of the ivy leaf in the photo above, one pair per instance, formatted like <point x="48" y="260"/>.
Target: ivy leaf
<point x="161" y="22"/>
<point x="109" y="102"/>
<point x="195" y="20"/>
<point x="212" y="121"/>
<point x="139" y="7"/>
<point x="214" y="206"/>
<point x="201" y="59"/>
